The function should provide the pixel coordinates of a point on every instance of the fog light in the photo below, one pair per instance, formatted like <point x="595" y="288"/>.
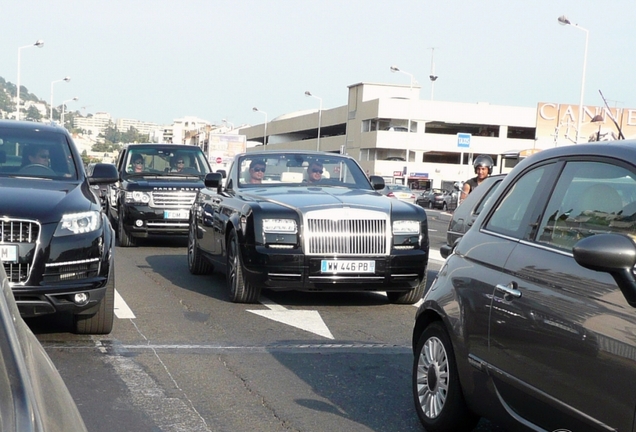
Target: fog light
<point x="80" y="299"/>
<point x="139" y="223"/>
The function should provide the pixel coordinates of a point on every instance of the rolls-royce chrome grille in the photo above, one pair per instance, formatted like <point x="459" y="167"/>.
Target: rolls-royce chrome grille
<point x="13" y="234"/>
<point x="346" y="232"/>
<point x="172" y="199"/>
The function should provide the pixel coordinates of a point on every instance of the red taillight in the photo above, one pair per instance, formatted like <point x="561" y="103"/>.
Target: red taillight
<point x="391" y="195"/>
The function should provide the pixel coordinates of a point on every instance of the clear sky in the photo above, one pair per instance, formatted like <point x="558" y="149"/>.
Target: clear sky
<point x="157" y="60"/>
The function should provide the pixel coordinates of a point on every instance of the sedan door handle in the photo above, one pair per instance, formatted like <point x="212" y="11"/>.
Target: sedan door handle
<point x="510" y="291"/>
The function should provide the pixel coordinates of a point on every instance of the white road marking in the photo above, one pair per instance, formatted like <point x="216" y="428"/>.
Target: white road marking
<point x="435" y="255"/>
<point x="122" y="311"/>
<point x="307" y="320"/>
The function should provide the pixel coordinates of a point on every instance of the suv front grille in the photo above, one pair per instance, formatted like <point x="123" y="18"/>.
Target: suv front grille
<point x="346" y="232"/>
<point x="172" y="199"/>
<point x="24" y="234"/>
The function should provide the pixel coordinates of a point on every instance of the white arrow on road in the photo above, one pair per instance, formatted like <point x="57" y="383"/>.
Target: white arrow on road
<point x="307" y="320"/>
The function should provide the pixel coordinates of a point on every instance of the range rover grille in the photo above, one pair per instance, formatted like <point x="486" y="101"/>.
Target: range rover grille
<point x="346" y="232"/>
<point x="21" y="233"/>
<point x="172" y="199"/>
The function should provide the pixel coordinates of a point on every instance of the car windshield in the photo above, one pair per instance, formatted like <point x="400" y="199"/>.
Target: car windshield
<point x="285" y="169"/>
<point x="162" y="160"/>
<point x="31" y="153"/>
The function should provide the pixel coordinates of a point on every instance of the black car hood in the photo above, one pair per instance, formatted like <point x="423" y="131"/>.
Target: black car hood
<point x="316" y="198"/>
<point x="42" y="200"/>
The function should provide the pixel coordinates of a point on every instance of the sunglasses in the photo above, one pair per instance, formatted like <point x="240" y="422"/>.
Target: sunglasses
<point x="316" y="170"/>
<point x="139" y="162"/>
<point x="44" y="156"/>
<point x="259" y="169"/>
<point x="180" y="162"/>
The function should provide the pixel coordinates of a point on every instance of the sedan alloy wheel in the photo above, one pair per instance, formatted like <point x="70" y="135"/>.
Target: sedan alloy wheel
<point x="439" y="401"/>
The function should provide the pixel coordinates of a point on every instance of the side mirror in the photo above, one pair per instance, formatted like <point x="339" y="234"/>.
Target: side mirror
<point x="103" y="174"/>
<point x="611" y="253"/>
<point x="222" y="172"/>
<point x="214" y="181"/>
<point x="377" y="182"/>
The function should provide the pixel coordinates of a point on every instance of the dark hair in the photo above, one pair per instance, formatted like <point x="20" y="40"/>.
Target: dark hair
<point x="257" y="162"/>
<point x="136" y="157"/>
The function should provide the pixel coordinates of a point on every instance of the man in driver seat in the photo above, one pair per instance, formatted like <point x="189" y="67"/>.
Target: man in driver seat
<point x="37" y="155"/>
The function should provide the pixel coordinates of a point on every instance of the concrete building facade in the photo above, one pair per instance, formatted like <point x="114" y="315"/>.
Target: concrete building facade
<point x="373" y="127"/>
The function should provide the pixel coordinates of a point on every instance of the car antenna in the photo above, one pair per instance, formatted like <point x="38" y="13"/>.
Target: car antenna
<point x="620" y="132"/>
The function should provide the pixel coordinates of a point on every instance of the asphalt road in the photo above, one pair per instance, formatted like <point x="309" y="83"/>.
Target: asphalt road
<point x="182" y="357"/>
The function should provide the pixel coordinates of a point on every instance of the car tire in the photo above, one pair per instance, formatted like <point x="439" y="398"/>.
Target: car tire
<point x="408" y="297"/>
<point x="437" y="392"/>
<point x="125" y="239"/>
<point x="102" y="321"/>
<point x="196" y="263"/>
<point x="241" y="291"/>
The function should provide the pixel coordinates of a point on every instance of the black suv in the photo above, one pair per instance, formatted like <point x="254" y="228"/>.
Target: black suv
<point x="56" y="245"/>
<point x="156" y="188"/>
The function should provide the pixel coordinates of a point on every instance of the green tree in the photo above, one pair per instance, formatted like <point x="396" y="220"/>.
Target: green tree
<point x="33" y="114"/>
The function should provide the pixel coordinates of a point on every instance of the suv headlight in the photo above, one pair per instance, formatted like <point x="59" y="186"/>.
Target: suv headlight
<point x="78" y="223"/>
<point x="137" y="197"/>
<point x="401" y="227"/>
<point x="279" y="226"/>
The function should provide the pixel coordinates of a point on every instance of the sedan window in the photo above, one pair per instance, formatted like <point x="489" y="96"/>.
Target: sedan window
<point x="589" y="198"/>
<point x="511" y="217"/>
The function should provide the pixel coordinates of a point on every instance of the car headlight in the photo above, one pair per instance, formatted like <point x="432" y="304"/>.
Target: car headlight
<point x="406" y="227"/>
<point x="137" y="197"/>
<point x="78" y="223"/>
<point x="280" y="226"/>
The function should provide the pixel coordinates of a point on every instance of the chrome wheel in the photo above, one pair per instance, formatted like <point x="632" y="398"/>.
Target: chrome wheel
<point x="432" y="377"/>
<point x="437" y="391"/>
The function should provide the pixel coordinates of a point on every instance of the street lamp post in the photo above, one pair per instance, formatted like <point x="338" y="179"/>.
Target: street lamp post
<point x="39" y="43"/>
<point x="265" y="131"/>
<point x="432" y="76"/>
<point x="63" y="105"/>
<point x="408" y="142"/>
<point x="308" y="93"/>
<point x="67" y="79"/>
<point x="564" y="21"/>
<point x="231" y="125"/>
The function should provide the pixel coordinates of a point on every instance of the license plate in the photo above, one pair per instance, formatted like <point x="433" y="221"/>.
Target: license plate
<point x="347" y="266"/>
<point x="176" y="214"/>
<point x="9" y="253"/>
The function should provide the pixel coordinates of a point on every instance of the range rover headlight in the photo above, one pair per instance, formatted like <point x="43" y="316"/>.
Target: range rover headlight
<point x="280" y="226"/>
<point x="402" y="227"/>
<point x="78" y="223"/>
<point x="137" y="197"/>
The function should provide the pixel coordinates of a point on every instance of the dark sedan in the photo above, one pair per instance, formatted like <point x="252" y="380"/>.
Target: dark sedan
<point x="531" y="321"/>
<point x="432" y="198"/>
<point x="307" y="221"/>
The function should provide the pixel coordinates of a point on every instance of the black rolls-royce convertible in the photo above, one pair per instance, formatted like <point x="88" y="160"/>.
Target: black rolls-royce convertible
<point x="306" y="221"/>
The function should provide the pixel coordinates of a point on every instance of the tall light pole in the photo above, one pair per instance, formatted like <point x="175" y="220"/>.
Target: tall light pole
<point x="432" y="75"/>
<point x="564" y="21"/>
<point x="308" y="93"/>
<point x="265" y="132"/>
<point x="408" y="142"/>
<point x="228" y="123"/>
<point x="67" y="79"/>
<point x="63" y="105"/>
<point x="39" y="43"/>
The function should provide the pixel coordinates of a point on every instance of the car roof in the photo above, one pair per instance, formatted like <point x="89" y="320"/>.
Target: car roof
<point x="625" y="150"/>
<point x="29" y="125"/>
